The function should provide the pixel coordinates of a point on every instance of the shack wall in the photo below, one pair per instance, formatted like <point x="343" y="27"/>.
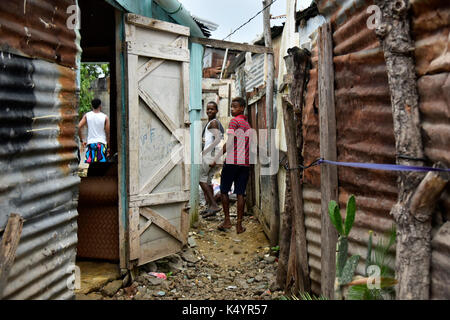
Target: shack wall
<point x="38" y="158"/>
<point x="365" y="126"/>
<point x="431" y="30"/>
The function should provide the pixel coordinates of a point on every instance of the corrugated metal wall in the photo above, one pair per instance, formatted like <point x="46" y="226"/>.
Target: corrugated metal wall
<point x="364" y="132"/>
<point x="431" y="28"/>
<point x="364" y="120"/>
<point x="38" y="159"/>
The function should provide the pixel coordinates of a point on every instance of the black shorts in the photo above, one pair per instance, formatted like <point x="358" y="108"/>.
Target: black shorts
<point x="234" y="173"/>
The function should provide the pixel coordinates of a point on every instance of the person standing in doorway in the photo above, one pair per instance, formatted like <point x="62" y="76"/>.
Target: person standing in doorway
<point x="236" y="168"/>
<point x="98" y="137"/>
<point x="211" y="137"/>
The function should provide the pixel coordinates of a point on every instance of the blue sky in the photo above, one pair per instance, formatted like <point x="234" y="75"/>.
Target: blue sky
<point x="230" y="14"/>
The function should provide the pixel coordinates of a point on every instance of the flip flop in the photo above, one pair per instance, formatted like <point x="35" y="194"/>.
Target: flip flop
<point x="211" y="213"/>
<point x="222" y="228"/>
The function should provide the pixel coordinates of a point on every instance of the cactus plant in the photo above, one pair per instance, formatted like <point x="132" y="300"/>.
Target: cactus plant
<point x="345" y="267"/>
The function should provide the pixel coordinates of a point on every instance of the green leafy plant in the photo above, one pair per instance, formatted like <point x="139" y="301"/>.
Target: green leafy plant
<point x="275" y="249"/>
<point x="345" y="267"/>
<point x="89" y="72"/>
<point x="379" y="257"/>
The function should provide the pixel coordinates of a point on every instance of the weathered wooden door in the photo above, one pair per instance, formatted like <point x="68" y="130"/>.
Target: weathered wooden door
<point x="158" y="81"/>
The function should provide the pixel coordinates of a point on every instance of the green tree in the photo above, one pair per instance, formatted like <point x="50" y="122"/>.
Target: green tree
<point x="89" y="72"/>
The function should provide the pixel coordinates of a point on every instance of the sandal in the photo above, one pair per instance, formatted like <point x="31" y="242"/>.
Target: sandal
<point x="211" y="213"/>
<point x="221" y="227"/>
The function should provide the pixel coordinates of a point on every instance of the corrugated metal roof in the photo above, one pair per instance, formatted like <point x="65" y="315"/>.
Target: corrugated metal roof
<point x="38" y="163"/>
<point x="39" y="29"/>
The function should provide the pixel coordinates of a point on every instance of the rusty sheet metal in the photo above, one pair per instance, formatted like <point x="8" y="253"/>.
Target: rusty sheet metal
<point x="38" y="180"/>
<point x="38" y="29"/>
<point x="311" y="177"/>
<point x="431" y="29"/>
<point x="364" y="132"/>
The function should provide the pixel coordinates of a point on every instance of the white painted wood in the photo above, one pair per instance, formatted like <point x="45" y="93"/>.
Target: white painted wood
<point x="162" y="223"/>
<point x="133" y="124"/>
<point x="134" y="233"/>
<point x="157" y="199"/>
<point x="150" y="23"/>
<point x="158" y="109"/>
<point x="158" y="51"/>
<point x="163" y="171"/>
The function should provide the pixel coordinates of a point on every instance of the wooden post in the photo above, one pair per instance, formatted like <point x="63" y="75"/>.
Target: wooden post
<point x="273" y="183"/>
<point x="328" y="173"/>
<point x="285" y="237"/>
<point x="298" y="217"/>
<point x="8" y="246"/>
<point x="297" y="63"/>
<point x="417" y="193"/>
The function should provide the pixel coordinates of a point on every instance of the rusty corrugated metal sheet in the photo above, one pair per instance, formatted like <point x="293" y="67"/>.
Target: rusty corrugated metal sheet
<point x="311" y="177"/>
<point x="38" y="163"/>
<point x="364" y="131"/>
<point x="431" y="29"/>
<point x="38" y="29"/>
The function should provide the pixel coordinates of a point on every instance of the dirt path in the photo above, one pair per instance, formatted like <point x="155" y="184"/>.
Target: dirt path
<point x="215" y="265"/>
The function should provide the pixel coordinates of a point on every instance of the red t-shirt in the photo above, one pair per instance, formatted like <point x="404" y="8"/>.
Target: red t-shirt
<point x="240" y="154"/>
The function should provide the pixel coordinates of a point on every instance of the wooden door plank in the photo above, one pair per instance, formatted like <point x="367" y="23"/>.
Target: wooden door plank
<point x="149" y="23"/>
<point x="160" y="51"/>
<point x="145" y="227"/>
<point x="159" y="198"/>
<point x="161" y="222"/>
<point x="171" y="126"/>
<point x="163" y="171"/>
<point x="134" y="234"/>
<point x="152" y="64"/>
<point x="328" y="173"/>
<point x="8" y="247"/>
<point x="148" y="67"/>
<point x="133" y="124"/>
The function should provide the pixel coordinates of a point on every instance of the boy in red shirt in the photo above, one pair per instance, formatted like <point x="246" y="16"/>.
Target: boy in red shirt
<point x="237" y="164"/>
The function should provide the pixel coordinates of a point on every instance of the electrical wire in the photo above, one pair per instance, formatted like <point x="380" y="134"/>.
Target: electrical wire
<point x="249" y="19"/>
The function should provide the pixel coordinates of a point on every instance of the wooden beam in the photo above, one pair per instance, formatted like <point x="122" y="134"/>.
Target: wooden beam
<point x="154" y="24"/>
<point x="8" y="247"/>
<point x="328" y="150"/>
<point x="121" y="123"/>
<point x="231" y="45"/>
<point x="298" y="216"/>
<point x="162" y="223"/>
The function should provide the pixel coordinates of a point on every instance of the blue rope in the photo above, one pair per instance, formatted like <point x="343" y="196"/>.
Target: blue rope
<point x="373" y="166"/>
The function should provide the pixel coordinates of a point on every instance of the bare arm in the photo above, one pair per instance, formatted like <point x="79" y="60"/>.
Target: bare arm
<point x="107" y="132"/>
<point x="80" y="126"/>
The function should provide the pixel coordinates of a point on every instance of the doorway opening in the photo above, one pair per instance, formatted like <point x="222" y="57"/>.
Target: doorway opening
<point x="98" y="203"/>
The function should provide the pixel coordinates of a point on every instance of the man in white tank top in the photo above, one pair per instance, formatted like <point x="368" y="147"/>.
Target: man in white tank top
<point x="211" y="138"/>
<point x="98" y="139"/>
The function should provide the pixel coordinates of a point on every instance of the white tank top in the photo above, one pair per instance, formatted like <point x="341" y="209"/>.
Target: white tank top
<point x="209" y="139"/>
<point x="96" y="127"/>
